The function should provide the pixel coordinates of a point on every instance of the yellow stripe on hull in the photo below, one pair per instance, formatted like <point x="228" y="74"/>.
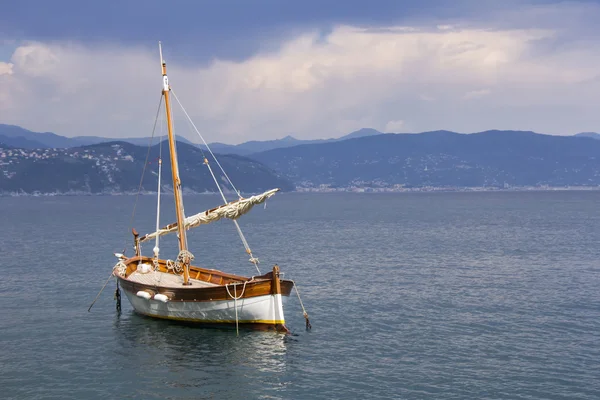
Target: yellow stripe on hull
<point x="225" y="321"/>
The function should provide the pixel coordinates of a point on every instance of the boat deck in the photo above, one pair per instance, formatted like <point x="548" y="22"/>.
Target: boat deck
<point x="157" y="278"/>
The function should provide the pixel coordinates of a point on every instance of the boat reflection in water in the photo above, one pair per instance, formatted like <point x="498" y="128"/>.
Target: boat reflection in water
<point x="162" y="357"/>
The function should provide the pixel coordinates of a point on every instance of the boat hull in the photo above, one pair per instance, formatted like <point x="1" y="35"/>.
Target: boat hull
<point x="211" y="297"/>
<point x="259" y="312"/>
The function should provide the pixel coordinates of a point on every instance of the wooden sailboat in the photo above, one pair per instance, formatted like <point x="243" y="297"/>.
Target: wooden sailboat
<point x="178" y="290"/>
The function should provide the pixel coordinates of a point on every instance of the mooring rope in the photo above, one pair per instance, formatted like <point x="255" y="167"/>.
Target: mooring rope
<point x="308" y="325"/>
<point x="106" y="283"/>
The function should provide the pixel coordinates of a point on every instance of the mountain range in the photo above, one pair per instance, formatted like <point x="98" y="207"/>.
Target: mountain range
<point x="441" y="159"/>
<point x="592" y="135"/>
<point x="364" y="159"/>
<point x="116" y="167"/>
<point x="15" y="136"/>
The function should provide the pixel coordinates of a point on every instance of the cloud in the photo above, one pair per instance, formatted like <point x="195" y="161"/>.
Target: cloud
<point x="475" y="94"/>
<point x="6" y="68"/>
<point x="34" y="60"/>
<point x="394" y="126"/>
<point x="317" y="85"/>
<point x="226" y="29"/>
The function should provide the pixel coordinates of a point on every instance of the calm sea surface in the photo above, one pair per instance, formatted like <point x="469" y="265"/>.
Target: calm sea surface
<point x="411" y="296"/>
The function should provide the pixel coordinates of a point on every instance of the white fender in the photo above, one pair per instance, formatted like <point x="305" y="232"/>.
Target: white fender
<point x="143" y="294"/>
<point x="161" y="297"/>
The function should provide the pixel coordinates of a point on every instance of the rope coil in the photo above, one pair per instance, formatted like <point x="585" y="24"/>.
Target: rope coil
<point x="173" y="266"/>
<point x="184" y="258"/>
<point x="120" y="269"/>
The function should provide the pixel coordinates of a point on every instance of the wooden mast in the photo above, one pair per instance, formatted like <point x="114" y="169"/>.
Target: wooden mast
<point x="174" y="169"/>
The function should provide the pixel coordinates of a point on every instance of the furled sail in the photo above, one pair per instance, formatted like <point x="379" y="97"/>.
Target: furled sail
<point x="232" y="210"/>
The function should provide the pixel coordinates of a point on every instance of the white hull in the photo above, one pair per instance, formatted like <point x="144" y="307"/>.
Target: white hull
<point x="266" y="309"/>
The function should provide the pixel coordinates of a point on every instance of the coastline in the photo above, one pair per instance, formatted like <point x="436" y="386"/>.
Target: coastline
<point x="425" y="189"/>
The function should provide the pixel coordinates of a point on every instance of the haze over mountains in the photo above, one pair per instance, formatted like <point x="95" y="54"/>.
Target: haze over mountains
<point x="442" y="159"/>
<point x="362" y="160"/>
<point x="592" y="135"/>
<point x="15" y="136"/>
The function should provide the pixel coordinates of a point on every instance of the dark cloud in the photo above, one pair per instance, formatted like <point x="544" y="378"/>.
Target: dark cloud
<point x="226" y="29"/>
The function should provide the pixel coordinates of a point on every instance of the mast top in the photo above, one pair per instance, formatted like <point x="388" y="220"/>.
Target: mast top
<point x="163" y="67"/>
<point x="160" y="51"/>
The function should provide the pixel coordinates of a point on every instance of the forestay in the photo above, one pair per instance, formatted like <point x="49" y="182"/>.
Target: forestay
<point x="232" y="210"/>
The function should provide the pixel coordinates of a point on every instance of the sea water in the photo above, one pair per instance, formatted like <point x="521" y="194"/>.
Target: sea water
<point x="411" y="296"/>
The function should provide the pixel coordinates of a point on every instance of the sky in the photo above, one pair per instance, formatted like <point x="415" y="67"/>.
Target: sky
<point x="264" y="69"/>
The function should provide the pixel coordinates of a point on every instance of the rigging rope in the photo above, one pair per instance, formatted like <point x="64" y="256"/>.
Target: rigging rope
<point x="156" y="248"/>
<point x="206" y="144"/>
<point x="177" y="167"/>
<point x="144" y="170"/>
<point x="253" y="259"/>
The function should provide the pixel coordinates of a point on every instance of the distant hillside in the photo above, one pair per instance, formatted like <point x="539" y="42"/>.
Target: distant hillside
<point x="144" y="141"/>
<point x="16" y="136"/>
<point x="439" y="159"/>
<point x="21" y="142"/>
<point x="116" y="167"/>
<point x="442" y="159"/>
<point x="29" y="139"/>
<point x="592" y="135"/>
<point x="256" y="146"/>
<point x="359" y="133"/>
